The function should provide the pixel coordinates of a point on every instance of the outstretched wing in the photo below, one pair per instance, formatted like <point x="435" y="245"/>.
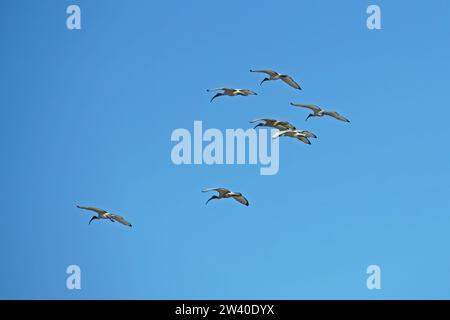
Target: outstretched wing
<point x="216" y="89"/>
<point x="264" y="119"/>
<point x="284" y="125"/>
<point x="335" y="115"/>
<point x="308" y="134"/>
<point x="97" y="210"/>
<point x="221" y="191"/>
<point x="269" y="72"/>
<point x="120" y="219"/>
<point x="245" y="92"/>
<point x="291" y="82"/>
<point x="241" y="199"/>
<point x="309" y="106"/>
<point x="302" y="138"/>
<point x="225" y="90"/>
<point x="280" y="133"/>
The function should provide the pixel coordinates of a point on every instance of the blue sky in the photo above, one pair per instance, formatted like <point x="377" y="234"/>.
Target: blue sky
<point x="86" y="118"/>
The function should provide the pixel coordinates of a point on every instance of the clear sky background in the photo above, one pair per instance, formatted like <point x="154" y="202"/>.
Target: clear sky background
<point x="86" y="118"/>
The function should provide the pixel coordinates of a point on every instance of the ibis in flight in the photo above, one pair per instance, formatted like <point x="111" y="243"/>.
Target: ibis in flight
<point x="273" y="75"/>
<point x="300" y="135"/>
<point x="102" y="214"/>
<point x="225" y="194"/>
<point x="319" y="112"/>
<point x="277" y="124"/>
<point x="231" y="92"/>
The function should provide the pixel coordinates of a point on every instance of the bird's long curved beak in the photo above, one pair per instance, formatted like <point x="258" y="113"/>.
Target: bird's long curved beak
<point x="213" y="197"/>
<point x="263" y="81"/>
<point x="309" y="116"/>
<point x="217" y="95"/>
<point x="93" y="218"/>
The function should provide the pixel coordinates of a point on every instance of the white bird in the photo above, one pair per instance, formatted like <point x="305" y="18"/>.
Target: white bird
<point x="273" y="75"/>
<point x="319" y="112"/>
<point x="300" y="135"/>
<point x="277" y="124"/>
<point x="102" y="214"/>
<point x="231" y="92"/>
<point x="225" y="193"/>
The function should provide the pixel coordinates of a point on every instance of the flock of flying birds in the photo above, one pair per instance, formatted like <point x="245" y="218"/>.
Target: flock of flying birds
<point x="285" y="129"/>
